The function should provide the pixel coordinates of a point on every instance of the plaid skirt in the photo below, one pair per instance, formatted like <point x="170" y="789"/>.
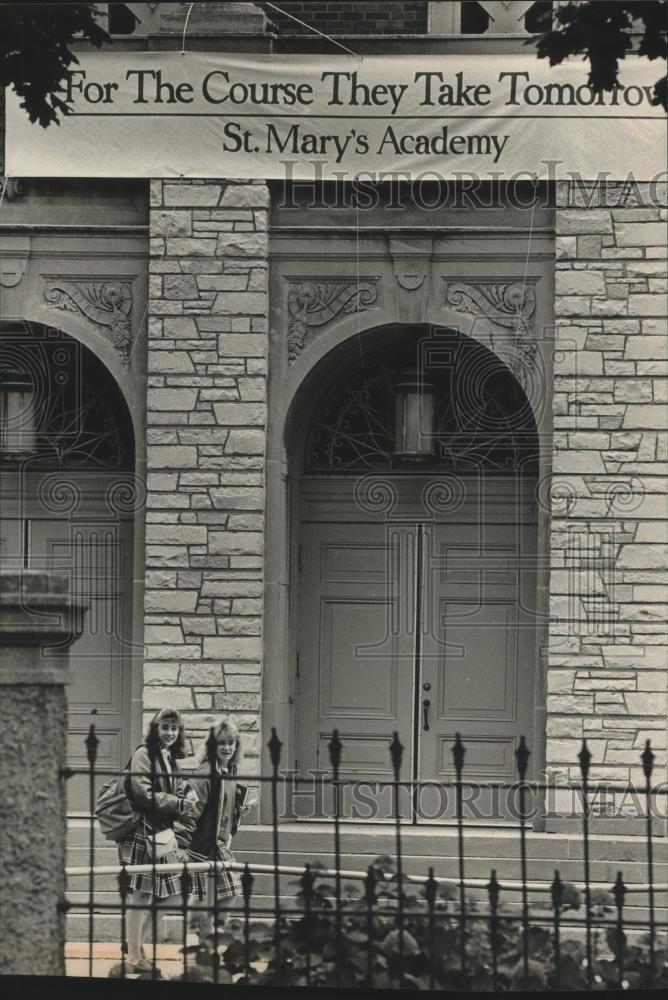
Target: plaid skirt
<point x="227" y="882"/>
<point x="133" y="851"/>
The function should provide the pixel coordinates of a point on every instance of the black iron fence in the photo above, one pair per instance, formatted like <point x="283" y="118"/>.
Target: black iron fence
<point x="383" y="927"/>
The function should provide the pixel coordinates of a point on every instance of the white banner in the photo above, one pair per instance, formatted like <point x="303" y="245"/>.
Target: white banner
<point x="167" y="114"/>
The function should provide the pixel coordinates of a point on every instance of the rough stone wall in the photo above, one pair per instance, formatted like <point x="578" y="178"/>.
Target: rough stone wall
<point x="207" y="351"/>
<point x="32" y="842"/>
<point x="608" y="634"/>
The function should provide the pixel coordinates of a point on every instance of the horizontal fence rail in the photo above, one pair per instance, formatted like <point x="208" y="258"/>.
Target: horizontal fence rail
<point x="385" y="927"/>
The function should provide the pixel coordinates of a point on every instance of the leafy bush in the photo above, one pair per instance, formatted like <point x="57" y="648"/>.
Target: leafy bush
<point x="369" y="950"/>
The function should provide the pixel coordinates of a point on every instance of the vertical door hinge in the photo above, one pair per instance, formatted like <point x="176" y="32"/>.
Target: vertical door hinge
<point x="298" y="665"/>
<point x="300" y="558"/>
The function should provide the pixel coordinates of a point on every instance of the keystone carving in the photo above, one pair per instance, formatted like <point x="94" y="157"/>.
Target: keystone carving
<point x="12" y="270"/>
<point x="312" y="304"/>
<point x="411" y="260"/>
<point x="105" y="303"/>
<point x="511" y="306"/>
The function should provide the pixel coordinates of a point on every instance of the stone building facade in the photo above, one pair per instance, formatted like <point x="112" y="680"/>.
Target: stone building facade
<point x="606" y="677"/>
<point x="224" y="313"/>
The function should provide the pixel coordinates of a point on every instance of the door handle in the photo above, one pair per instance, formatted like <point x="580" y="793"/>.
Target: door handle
<point x="425" y="708"/>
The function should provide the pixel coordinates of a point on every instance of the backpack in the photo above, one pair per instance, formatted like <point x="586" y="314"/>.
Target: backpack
<point x="117" y="815"/>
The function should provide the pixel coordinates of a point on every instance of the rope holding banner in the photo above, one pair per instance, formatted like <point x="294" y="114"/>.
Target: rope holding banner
<point x="185" y="29"/>
<point x="311" y="28"/>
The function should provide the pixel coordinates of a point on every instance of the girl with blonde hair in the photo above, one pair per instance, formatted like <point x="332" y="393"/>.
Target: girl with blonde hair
<point x="218" y="807"/>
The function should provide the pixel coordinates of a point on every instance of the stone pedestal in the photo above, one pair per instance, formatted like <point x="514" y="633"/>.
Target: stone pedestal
<point x="38" y="621"/>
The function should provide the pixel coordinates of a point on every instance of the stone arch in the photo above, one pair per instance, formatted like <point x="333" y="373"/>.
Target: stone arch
<point x="315" y="361"/>
<point x="513" y="340"/>
<point x="340" y="343"/>
<point x="77" y="507"/>
<point x="81" y="330"/>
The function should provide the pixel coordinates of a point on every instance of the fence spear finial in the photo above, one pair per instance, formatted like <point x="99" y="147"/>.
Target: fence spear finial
<point x="430" y="888"/>
<point x="211" y="749"/>
<point x="585" y="760"/>
<point x="370" y="886"/>
<point x="396" y="754"/>
<point x="92" y="744"/>
<point x="247" y="883"/>
<point x="493" y="889"/>
<point x="458" y="752"/>
<point x="647" y="758"/>
<point x="123" y="883"/>
<point x="522" y="755"/>
<point x="619" y="891"/>
<point x="557" y="891"/>
<point x="307" y="882"/>
<point x="335" y="746"/>
<point x="275" y="747"/>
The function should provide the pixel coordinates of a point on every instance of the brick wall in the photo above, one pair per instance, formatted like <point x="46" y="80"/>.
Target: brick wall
<point x="608" y="633"/>
<point x="206" y="420"/>
<point x="362" y="18"/>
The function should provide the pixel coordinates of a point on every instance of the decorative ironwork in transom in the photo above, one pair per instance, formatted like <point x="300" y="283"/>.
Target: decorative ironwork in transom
<point x="482" y="419"/>
<point x="78" y="414"/>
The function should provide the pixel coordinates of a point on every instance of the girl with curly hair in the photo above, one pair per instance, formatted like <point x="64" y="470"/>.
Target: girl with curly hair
<point x="156" y="788"/>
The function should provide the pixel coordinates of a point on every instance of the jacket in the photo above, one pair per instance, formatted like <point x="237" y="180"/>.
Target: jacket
<point x="155" y="791"/>
<point x="217" y="815"/>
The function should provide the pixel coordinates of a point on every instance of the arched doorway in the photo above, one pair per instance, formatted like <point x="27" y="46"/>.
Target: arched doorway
<point x="416" y="586"/>
<point x="67" y="502"/>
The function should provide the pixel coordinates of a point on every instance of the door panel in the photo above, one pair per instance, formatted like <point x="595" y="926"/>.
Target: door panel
<point x="352" y="684"/>
<point x="477" y="655"/>
<point x="355" y="663"/>
<point x="477" y="663"/>
<point x="425" y="625"/>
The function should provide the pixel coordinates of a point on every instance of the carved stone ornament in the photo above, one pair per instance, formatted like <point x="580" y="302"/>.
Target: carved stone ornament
<point x="411" y="259"/>
<point x="12" y="270"/>
<point x="511" y="306"/>
<point x="312" y="304"/>
<point x="104" y="303"/>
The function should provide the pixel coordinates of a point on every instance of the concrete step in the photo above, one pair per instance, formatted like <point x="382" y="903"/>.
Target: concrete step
<point x="422" y="847"/>
<point x="425" y="841"/>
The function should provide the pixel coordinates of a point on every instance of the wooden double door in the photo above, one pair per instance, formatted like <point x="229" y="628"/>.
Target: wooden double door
<point x="419" y="619"/>
<point x="77" y="524"/>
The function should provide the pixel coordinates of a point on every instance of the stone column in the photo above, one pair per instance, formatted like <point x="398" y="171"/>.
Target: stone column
<point x="607" y="670"/>
<point x="36" y="612"/>
<point x="206" y="420"/>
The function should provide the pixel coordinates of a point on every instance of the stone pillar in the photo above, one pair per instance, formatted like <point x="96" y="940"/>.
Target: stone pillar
<point x="206" y="424"/>
<point x="607" y="663"/>
<point x="36" y="612"/>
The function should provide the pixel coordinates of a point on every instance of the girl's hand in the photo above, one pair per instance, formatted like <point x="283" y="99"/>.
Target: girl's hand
<point x="248" y="805"/>
<point x="189" y="807"/>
